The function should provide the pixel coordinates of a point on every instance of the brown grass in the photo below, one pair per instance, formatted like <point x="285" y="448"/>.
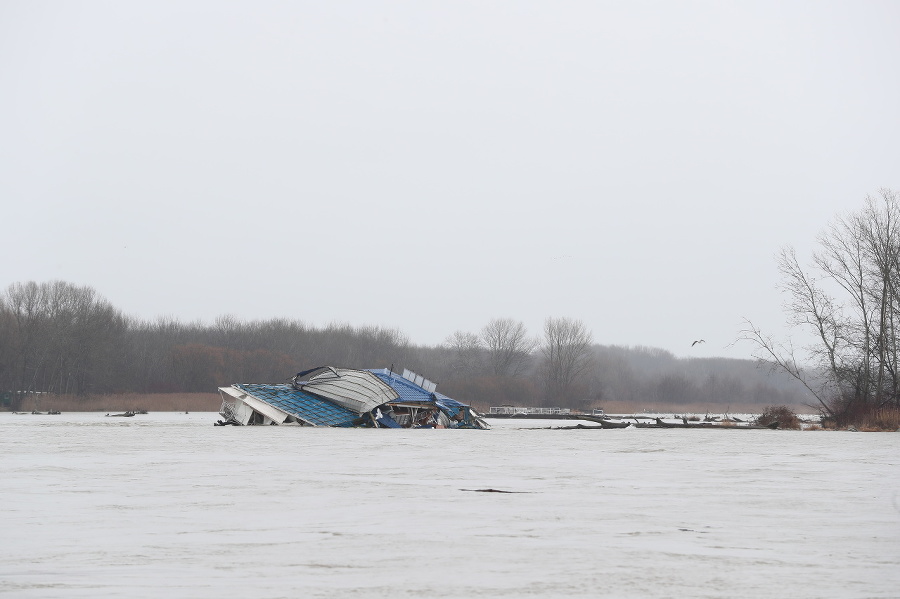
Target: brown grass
<point x="884" y="419"/>
<point x="152" y="402"/>
<point x="783" y="415"/>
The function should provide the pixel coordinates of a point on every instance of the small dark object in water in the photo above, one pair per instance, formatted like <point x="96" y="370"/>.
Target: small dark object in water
<point x="54" y="412"/>
<point x="491" y="491"/>
<point x="226" y="423"/>
<point x="127" y="414"/>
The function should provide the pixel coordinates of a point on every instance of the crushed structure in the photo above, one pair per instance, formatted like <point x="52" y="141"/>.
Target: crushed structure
<point x="347" y="397"/>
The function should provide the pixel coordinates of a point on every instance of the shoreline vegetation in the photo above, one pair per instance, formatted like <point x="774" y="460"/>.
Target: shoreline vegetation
<point x="123" y="402"/>
<point x="885" y="420"/>
<point x="62" y="340"/>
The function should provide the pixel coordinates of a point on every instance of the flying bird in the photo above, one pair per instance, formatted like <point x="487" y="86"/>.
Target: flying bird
<point x="698" y="341"/>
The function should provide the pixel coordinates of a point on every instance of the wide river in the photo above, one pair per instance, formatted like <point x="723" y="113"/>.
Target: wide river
<point x="167" y="505"/>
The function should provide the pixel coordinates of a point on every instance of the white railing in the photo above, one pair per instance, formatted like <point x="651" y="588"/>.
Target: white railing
<point x="511" y="410"/>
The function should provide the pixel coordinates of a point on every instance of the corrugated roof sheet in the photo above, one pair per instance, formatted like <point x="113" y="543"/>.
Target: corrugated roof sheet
<point x="409" y="391"/>
<point x="301" y="404"/>
<point x="358" y="390"/>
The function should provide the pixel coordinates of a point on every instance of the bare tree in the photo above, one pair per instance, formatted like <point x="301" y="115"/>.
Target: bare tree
<point x="508" y="346"/>
<point x="883" y="241"/>
<point x="24" y="302"/>
<point x="466" y="350"/>
<point x="848" y="298"/>
<point x="566" y="350"/>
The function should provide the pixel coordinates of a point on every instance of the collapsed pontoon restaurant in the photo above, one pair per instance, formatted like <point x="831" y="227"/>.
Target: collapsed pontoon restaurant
<point x="347" y="397"/>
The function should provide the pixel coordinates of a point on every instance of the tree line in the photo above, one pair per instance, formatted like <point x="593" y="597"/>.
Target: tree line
<point x="57" y="337"/>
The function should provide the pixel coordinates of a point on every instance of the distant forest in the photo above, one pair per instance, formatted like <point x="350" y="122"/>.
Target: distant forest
<point x="56" y="337"/>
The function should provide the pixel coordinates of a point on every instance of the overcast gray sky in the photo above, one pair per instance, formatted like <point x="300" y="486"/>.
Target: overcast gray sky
<point x="433" y="165"/>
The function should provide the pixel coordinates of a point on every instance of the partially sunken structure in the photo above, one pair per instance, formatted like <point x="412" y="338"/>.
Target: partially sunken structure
<point x="347" y="397"/>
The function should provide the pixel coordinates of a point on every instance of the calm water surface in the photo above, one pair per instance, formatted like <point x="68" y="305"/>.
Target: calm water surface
<point x="169" y="505"/>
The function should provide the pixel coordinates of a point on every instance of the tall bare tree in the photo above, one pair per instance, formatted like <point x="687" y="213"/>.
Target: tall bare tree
<point x="508" y="346"/>
<point x="566" y="349"/>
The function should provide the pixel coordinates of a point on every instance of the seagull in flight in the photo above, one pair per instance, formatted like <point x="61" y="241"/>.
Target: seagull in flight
<point x="698" y="341"/>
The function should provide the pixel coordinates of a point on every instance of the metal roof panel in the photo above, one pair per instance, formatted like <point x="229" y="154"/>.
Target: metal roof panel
<point x="304" y="406"/>
<point x="358" y="390"/>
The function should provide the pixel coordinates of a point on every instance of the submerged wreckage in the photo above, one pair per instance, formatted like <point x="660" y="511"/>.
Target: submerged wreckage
<point x="347" y="397"/>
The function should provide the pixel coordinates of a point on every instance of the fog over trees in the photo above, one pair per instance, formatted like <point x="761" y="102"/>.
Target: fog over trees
<point x="508" y="346"/>
<point x="58" y="337"/>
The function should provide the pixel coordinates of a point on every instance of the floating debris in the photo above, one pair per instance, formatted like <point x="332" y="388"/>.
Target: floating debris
<point x="347" y="398"/>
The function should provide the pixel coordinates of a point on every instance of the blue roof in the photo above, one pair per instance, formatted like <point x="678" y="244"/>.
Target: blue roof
<point x="301" y="404"/>
<point x="409" y="391"/>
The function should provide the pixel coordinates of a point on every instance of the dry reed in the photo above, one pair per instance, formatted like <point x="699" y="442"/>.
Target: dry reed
<point x="783" y="415"/>
<point x="884" y="419"/>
